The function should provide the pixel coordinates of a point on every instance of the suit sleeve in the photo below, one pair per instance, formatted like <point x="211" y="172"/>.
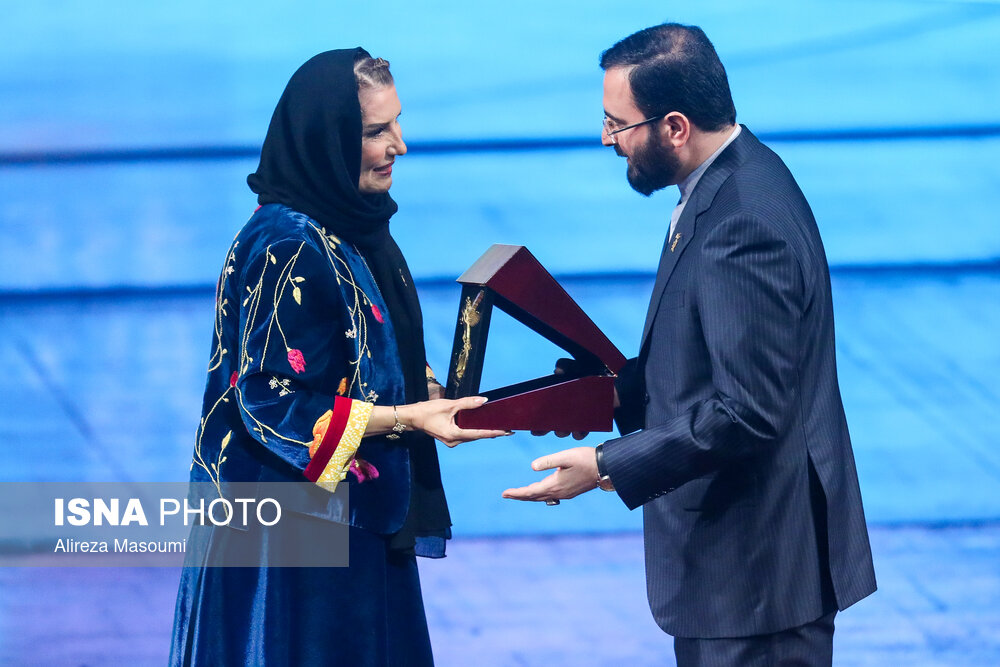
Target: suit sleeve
<point x="630" y="414"/>
<point x="750" y="298"/>
<point x="294" y="367"/>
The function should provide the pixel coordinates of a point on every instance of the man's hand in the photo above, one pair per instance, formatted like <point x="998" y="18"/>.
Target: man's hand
<point x="569" y="366"/>
<point x="576" y="473"/>
<point x="577" y="435"/>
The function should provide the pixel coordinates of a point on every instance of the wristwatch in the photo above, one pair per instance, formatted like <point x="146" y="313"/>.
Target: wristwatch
<point x="603" y="479"/>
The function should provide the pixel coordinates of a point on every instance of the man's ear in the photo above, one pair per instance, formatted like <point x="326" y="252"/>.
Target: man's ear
<point x="675" y="129"/>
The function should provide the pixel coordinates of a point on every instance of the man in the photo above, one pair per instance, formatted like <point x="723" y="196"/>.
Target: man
<point x="734" y="437"/>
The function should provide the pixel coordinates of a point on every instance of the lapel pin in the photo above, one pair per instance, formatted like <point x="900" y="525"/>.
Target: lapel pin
<point x="677" y="237"/>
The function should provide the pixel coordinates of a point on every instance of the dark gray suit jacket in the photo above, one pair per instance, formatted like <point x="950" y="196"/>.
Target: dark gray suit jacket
<point x="742" y="459"/>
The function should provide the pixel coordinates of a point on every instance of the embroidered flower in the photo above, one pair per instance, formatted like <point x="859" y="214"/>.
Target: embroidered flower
<point x="232" y="379"/>
<point x="363" y="470"/>
<point x="353" y="333"/>
<point x="342" y="387"/>
<point x="296" y="360"/>
<point x="229" y="269"/>
<point x="377" y="313"/>
<point x="275" y="383"/>
<point x="372" y="396"/>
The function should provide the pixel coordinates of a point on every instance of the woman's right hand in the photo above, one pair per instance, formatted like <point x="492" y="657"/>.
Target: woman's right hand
<point x="436" y="418"/>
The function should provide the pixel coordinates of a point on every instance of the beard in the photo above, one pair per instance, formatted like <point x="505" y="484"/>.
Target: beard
<point x="652" y="166"/>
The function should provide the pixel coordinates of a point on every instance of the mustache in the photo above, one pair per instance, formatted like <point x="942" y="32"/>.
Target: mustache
<point x="618" y="151"/>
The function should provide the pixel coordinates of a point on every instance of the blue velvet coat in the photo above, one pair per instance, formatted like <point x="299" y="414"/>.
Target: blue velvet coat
<point x="298" y="321"/>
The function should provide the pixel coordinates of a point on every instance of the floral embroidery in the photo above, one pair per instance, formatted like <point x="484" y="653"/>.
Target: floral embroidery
<point x="213" y="472"/>
<point x="220" y="308"/>
<point x="296" y="360"/>
<point x="275" y="383"/>
<point x="363" y="470"/>
<point x="253" y="301"/>
<point x="221" y="459"/>
<point x="359" y="329"/>
<point x="263" y="295"/>
<point x="253" y="305"/>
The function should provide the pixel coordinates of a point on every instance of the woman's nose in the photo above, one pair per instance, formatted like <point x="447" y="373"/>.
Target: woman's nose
<point x="398" y="146"/>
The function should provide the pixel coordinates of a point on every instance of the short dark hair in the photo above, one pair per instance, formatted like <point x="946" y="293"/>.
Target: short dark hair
<point x="675" y="68"/>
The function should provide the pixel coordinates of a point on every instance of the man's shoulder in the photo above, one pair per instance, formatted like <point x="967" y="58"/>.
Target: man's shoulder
<point x="762" y="190"/>
<point x="760" y="183"/>
<point x="761" y="165"/>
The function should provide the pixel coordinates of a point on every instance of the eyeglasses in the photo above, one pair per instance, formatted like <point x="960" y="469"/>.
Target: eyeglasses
<point x="611" y="131"/>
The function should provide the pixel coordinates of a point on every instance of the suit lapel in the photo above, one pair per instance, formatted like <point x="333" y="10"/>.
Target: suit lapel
<point x="672" y="249"/>
<point x="701" y="199"/>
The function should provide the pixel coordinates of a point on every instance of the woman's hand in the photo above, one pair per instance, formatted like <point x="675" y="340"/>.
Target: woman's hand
<point x="435" y="417"/>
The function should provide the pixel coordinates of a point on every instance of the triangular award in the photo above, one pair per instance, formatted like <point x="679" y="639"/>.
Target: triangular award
<point x="510" y="278"/>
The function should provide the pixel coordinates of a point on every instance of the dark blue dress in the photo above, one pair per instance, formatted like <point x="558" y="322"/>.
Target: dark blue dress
<point x="301" y="332"/>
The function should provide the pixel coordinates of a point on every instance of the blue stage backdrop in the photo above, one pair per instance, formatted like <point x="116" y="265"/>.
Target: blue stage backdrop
<point x="127" y="131"/>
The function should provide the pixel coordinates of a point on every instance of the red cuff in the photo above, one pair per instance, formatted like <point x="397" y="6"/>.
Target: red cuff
<point x="334" y="433"/>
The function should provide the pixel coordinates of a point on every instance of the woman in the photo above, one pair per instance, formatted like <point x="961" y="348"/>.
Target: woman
<point x="318" y="373"/>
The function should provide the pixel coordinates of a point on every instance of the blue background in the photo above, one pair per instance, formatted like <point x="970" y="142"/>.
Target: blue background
<point x="127" y="131"/>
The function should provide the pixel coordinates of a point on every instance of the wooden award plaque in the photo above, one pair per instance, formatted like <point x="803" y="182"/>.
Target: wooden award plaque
<point x="511" y="279"/>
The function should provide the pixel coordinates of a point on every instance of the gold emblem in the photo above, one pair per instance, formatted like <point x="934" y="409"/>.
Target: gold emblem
<point x="677" y="237"/>
<point x="470" y="318"/>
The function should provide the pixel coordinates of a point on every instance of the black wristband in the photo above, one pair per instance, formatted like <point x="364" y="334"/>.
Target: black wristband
<point x="602" y="472"/>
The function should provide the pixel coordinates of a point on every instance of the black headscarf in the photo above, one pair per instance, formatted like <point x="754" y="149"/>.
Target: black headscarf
<point x="311" y="159"/>
<point x="311" y="162"/>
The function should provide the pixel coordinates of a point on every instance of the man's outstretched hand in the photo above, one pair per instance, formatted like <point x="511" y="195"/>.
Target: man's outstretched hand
<point x="576" y="473"/>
